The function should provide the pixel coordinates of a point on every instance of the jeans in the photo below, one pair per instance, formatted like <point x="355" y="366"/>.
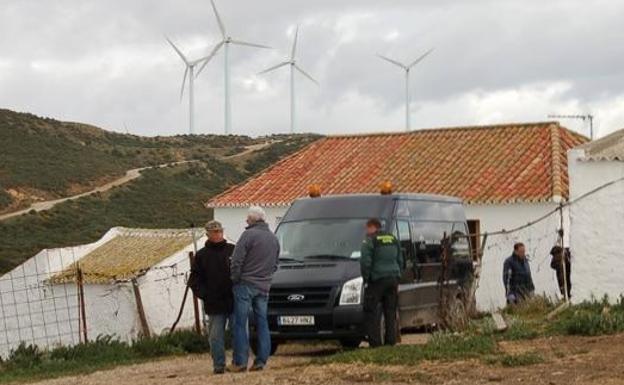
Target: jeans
<point x="216" y="337"/>
<point x="246" y="298"/>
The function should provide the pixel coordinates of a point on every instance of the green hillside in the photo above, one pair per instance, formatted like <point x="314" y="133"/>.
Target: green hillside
<point x="161" y="198"/>
<point x="42" y="158"/>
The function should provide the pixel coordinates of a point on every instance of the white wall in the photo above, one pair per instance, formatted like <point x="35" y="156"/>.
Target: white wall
<point x="491" y="294"/>
<point x="597" y="222"/>
<point x="539" y="239"/>
<point x="36" y="312"/>
<point x="233" y="219"/>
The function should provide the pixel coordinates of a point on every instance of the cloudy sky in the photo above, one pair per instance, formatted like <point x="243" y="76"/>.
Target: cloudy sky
<point x="107" y="63"/>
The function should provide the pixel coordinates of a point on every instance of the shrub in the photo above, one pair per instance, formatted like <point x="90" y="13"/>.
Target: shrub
<point x="24" y="357"/>
<point x="591" y="318"/>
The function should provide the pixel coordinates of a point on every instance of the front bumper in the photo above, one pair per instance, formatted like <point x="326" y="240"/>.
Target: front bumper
<point x="339" y="322"/>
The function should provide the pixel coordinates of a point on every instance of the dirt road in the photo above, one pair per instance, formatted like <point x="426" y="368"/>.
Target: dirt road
<point x="128" y="177"/>
<point x="568" y="361"/>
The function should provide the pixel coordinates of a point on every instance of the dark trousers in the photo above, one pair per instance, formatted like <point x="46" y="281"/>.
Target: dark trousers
<point x="381" y="297"/>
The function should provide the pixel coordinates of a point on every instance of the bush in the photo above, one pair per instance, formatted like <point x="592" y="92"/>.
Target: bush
<point x="24" y="357"/>
<point x="591" y="318"/>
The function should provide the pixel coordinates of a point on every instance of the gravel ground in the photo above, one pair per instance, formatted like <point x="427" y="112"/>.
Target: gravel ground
<point x="568" y="361"/>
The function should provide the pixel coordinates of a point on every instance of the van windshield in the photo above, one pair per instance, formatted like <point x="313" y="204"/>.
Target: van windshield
<point x="321" y="239"/>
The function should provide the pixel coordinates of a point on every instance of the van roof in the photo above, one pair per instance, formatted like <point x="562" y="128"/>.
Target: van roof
<point x="367" y="206"/>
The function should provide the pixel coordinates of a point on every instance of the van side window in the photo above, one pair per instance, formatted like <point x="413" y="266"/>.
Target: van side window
<point x="428" y="240"/>
<point x="403" y="234"/>
<point x="460" y="242"/>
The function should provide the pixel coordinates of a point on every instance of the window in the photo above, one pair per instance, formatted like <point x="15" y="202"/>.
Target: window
<point x="428" y="240"/>
<point x="403" y="234"/>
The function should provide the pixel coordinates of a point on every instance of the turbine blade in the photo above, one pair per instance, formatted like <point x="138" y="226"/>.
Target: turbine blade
<point x="392" y="61"/>
<point x="186" y="70"/>
<point x="219" y="21"/>
<point x="177" y="50"/>
<point x="420" y="58"/>
<point x="306" y="74"/>
<point x="239" y="42"/>
<point x="274" y="67"/>
<point x="294" y="46"/>
<point x="209" y="57"/>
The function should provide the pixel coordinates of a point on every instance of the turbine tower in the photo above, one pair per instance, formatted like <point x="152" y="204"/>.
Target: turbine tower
<point x="407" y="69"/>
<point x="292" y="62"/>
<point x="225" y="43"/>
<point x="189" y="72"/>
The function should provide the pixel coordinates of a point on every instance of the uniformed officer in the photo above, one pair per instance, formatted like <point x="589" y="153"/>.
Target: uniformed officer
<point x="381" y="263"/>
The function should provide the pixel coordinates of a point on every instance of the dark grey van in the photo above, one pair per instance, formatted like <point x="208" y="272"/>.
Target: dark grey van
<point x="317" y="291"/>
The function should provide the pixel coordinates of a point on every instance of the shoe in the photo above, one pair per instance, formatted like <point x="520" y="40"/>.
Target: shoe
<point x="256" y="368"/>
<point x="219" y="370"/>
<point x="235" y="369"/>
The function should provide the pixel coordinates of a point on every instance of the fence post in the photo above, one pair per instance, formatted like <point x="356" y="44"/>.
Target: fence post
<point x="82" y="313"/>
<point x="198" y="329"/>
<point x="139" y="303"/>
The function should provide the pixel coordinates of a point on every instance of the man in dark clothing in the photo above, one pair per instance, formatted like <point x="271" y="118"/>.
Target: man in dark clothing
<point x="210" y="281"/>
<point x="254" y="261"/>
<point x="381" y="263"/>
<point x="517" y="276"/>
<point x="560" y="262"/>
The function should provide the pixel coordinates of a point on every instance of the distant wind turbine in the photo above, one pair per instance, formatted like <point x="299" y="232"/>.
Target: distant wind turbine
<point x="292" y="62"/>
<point x="407" y="69"/>
<point x="189" y="72"/>
<point x="225" y="43"/>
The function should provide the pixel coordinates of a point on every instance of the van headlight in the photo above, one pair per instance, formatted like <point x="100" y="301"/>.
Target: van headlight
<point x="352" y="292"/>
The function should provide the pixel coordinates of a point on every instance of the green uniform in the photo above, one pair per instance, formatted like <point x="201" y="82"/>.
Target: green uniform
<point x="381" y="257"/>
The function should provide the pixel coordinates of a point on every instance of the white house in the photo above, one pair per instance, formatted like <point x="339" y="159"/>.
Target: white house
<point x="507" y="175"/>
<point x="39" y="300"/>
<point x="597" y="218"/>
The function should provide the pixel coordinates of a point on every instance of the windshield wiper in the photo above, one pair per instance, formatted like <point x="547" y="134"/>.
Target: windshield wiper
<point x="287" y="259"/>
<point x="326" y="256"/>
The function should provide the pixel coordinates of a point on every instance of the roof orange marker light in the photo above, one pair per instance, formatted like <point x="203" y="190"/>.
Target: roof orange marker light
<point x="385" y="188"/>
<point x="314" y="190"/>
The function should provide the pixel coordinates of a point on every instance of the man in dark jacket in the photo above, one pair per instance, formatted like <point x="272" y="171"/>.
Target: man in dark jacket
<point x="560" y="262"/>
<point x="517" y="276"/>
<point x="210" y="281"/>
<point x="381" y="263"/>
<point x="253" y="263"/>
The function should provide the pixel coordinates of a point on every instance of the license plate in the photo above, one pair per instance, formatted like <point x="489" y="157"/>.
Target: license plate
<point x="298" y="320"/>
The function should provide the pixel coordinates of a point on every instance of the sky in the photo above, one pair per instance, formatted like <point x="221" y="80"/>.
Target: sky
<point x="107" y="63"/>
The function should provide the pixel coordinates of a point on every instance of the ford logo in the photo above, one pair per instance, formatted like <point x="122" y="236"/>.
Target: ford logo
<point x="296" y="297"/>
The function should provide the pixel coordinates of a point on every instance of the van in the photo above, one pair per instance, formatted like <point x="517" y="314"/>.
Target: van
<point x="317" y="291"/>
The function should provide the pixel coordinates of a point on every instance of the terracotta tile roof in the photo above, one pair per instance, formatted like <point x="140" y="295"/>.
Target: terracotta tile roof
<point x="484" y="164"/>
<point x="128" y="255"/>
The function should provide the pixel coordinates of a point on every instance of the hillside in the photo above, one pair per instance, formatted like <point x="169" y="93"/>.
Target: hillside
<point x="164" y="197"/>
<point x="42" y="158"/>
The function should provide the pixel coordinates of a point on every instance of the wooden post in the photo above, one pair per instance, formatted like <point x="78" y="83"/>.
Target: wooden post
<point x="139" y="302"/>
<point x="198" y="329"/>
<point x="82" y="313"/>
<point x="563" y="257"/>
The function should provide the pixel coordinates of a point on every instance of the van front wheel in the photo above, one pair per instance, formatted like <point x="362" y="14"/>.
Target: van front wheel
<point x="377" y="331"/>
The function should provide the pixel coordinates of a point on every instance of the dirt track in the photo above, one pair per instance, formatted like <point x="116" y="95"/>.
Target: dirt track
<point x="569" y="361"/>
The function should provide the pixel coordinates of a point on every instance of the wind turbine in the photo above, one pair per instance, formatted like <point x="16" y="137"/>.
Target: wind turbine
<point x="292" y="62"/>
<point x="189" y="72"/>
<point x="407" y="69"/>
<point x="225" y="43"/>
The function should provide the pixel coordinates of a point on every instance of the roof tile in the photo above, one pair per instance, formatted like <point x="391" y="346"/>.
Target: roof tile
<point x="486" y="164"/>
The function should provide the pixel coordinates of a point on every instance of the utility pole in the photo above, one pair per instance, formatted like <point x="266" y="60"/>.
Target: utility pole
<point x="588" y="117"/>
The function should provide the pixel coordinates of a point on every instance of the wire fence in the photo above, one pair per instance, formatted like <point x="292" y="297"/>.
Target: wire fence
<point x="37" y="309"/>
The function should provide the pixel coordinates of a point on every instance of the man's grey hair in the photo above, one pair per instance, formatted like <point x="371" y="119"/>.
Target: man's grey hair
<point x="256" y="213"/>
